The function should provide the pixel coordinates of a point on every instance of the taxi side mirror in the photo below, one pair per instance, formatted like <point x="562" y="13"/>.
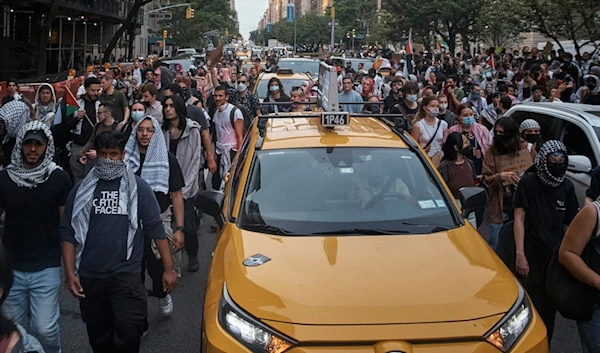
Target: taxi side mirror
<point x="473" y="199"/>
<point x="211" y="203"/>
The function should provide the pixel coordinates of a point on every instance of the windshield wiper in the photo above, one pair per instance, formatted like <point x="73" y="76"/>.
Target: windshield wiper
<point x="265" y="228"/>
<point x="363" y="231"/>
<point x="436" y="227"/>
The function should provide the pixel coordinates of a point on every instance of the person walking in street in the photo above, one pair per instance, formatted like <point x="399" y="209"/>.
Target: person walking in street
<point x="229" y="126"/>
<point x="146" y="154"/>
<point x="545" y="204"/>
<point x="13" y="116"/>
<point x="32" y="238"/>
<point x="107" y="216"/>
<point x="46" y="104"/>
<point x="183" y="139"/>
<point x="106" y="122"/>
<point x="501" y="183"/>
<point x="428" y="130"/>
<point x="13" y="91"/>
<point x="82" y="125"/>
<point x="349" y="95"/>
<point x="115" y="97"/>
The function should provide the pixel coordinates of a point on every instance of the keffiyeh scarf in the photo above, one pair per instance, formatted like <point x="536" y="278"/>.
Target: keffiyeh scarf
<point x="155" y="170"/>
<point x="541" y="163"/>
<point x="31" y="178"/>
<point x="15" y="114"/>
<point x="105" y="169"/>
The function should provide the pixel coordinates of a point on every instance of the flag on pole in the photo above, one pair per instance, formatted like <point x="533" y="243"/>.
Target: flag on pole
<point x="442" y="44"/>
<point x="409" y="51"/>
<point x="490" y="62"/>
<point x="71" y="103"/>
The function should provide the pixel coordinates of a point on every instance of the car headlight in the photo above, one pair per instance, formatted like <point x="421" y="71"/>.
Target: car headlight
<point x="508" y="331"/>
<point x="249" y="331"/>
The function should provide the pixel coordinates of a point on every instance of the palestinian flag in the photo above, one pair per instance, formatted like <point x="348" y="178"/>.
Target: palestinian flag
<point x="442" y="44"/>
<point x="71" y="102"/>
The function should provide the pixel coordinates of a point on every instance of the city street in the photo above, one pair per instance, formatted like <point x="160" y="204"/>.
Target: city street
<point x="180" y="333"/>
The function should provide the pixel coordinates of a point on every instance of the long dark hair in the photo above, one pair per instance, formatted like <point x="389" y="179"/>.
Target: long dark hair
<point x="454" y="139"/>
<point x="275" y="79"/>
<point x="510" y="142"/>
<point x="180" y="109"/>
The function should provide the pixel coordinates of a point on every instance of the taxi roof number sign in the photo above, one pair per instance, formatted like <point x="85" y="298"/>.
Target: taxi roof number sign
<point x="331" y="119"/>
<point x="327" y="97"/>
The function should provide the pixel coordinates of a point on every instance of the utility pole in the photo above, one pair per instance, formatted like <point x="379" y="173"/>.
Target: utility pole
<point x="332" y="45"/>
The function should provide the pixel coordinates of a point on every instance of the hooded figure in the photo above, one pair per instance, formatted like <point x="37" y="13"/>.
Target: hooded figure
<point x="162" y="77"/>
<point x="13" y="116"/>
<point x="45" y="112"/>
<point x="156" y="161"/>
<point x="552" y="174"/>
<point x="30" y="178"/>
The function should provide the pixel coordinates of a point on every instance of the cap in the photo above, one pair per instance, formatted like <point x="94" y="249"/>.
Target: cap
<point x="529" y="124"/>
<point x="38" y="135"/>
<point x="496" y="94"/>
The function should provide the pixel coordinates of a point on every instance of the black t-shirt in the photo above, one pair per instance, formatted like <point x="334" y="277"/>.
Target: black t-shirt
<point x="389" y="102"/>
<point x="7" y="99"/>
<point x="173" y="146"/>
<point x="176" y="182"/>
<point x="593" y="99"/>
<point x="594" y="190"/>
<point x="547" y="210"/>
<point x="86" y="128"/>
<point x="32" y="220"/>
<point x="268" y="109"/>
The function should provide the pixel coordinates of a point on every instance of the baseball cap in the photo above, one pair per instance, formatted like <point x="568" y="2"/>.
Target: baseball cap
<point x="38" y="135"/>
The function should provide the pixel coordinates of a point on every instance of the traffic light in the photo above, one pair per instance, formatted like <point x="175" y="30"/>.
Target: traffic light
<point x="165" y="33"/>
<point x="189" y="13"/>
<point x="353" y="33"/>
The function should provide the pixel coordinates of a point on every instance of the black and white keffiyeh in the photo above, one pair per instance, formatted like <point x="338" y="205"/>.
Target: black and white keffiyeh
<point x="15" y="114"/>
<point x="105" y="169"/>
<point x="156" y="164"/>
<point x="541" y="162"/>
<point x="31" y="178"/>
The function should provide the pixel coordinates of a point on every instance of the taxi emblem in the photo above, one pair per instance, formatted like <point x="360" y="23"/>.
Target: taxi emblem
<point x="256" y="260"/>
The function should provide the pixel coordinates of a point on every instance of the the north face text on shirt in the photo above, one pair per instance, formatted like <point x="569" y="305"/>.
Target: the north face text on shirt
<point x="108" y="203"/>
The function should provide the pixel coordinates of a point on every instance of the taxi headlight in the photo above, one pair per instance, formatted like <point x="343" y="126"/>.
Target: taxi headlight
<point x="249" y="331"/>
<point x="510" y="329"/>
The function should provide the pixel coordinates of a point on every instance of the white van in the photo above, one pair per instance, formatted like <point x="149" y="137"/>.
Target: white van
<point x="186" y="51"/>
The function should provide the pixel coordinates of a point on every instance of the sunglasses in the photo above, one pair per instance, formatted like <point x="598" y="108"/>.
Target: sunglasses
<point x="242" y="81"/>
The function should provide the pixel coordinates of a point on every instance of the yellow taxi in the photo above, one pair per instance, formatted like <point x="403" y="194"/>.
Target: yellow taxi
<point x="337" y="235"/>
<point x="288" y="78"/>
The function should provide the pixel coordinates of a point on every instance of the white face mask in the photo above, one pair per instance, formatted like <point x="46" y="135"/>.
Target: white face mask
<point x="241" y="87"/>
<point x="443" y="106"/>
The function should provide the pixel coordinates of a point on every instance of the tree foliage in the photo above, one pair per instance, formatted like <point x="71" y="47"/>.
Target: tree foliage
<point x="496" y="26"/>
<point x="209" y="15"/>
<point x="575" y="20"/>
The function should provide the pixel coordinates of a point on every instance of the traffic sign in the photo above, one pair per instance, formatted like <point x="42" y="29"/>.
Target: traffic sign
<point x="336" y="23"/>
<point x="162" y="15"/>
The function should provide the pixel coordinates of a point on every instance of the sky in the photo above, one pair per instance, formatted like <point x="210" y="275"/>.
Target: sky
<point x="249" y="13"/>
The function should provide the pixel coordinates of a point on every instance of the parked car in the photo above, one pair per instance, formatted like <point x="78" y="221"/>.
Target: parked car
<point x="577" y="126"/>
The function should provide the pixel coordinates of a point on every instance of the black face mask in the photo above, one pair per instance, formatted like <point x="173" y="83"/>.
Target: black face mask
<point x="186" y="94"/>
<point x="499" y="140"/>
<point x="467" y="151"/>
<point x="557" y="169"/>
<point x="532" y="138"/>
<point x="591" y="86"/>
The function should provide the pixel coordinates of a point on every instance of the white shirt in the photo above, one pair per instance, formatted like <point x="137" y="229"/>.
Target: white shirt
<point x="226" y="138"/>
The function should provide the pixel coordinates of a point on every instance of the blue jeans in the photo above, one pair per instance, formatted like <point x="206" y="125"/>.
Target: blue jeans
<point x="495" y="229"/>
<point x="589" y="332"/>
<point x="35" y="295"/>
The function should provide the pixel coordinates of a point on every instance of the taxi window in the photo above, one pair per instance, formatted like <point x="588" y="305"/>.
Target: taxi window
<point x="319" y="191"/>
<point x="312" y="67"/>
<point x="261" y="90"/>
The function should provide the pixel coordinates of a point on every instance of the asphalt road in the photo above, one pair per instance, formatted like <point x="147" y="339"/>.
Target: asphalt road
<point x="180" y="333"/>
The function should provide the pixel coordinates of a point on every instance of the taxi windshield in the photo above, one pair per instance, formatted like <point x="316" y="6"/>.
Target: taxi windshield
<point x="310" y="66"/>
<point x="342" y="190"/>
<point x="288" y="84"/>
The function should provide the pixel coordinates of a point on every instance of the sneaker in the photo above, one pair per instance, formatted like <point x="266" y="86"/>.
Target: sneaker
<point x="193" y="264"/>
<point x="166" y="305"/>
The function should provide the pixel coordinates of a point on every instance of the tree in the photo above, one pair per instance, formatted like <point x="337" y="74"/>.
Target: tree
<point x="496" y="26"/>
<point x="209" y="15"/>
<point x="126" y="24"/>
<point x="575" y="20"/>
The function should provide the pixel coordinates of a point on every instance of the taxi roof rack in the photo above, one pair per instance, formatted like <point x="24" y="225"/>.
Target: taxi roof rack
<point x="391" y="120"/>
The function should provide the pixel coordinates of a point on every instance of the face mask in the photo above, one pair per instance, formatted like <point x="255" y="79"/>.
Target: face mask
<point x="532" y="138"/>
<point x="467" y="151"/>
<point x="557" y="170"/>
<point x="108" y="169"/>
<point x="468" y="121"/>
<point x="273" y="88"/>
<point x="412" y="98"/>
<point x="137" y="115"/>
<point x="476" y="94"/>
<point x="186" y="94"/>
<point x="591" y="86"/>
<point x="241" y="87"/>
<point x="434" y="112"/>
<point x="443" y="106"/>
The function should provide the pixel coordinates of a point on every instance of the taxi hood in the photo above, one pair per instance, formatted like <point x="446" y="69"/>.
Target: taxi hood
<point x="345" y="280"/>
